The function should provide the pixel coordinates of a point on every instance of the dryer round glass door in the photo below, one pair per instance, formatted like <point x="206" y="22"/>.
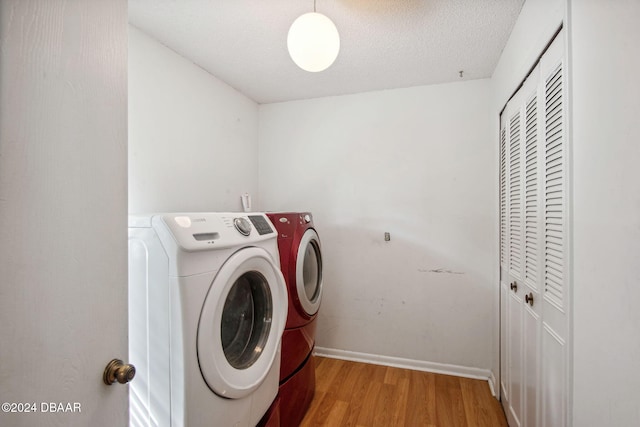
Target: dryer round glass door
<point x="241" y="323"/>
<point x="309" y="272"/>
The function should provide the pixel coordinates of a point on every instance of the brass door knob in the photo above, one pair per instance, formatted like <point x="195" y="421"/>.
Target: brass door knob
<point x="529" y="299"/>
<point x="116" y="370"/>
<point x="514" y="286"/>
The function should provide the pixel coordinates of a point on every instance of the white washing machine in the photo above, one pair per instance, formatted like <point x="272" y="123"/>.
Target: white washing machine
<point x="207" y="308"/>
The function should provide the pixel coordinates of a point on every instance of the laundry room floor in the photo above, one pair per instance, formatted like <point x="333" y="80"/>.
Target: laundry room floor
<point x="359" y="394"/>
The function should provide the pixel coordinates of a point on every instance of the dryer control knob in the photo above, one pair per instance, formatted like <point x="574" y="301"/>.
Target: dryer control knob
<point x="243" y="226"/>
<point x="307" y="218"/>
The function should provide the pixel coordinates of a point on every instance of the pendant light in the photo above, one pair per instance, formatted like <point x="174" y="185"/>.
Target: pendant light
<point x="313" y="41"/>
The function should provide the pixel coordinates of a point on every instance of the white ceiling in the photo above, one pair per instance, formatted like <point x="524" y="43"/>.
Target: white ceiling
<point x="385" y="44"/>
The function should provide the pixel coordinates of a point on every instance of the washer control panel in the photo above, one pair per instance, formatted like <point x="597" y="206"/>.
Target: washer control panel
<point x="203" y="231"/>
<point x="261" y="224"/>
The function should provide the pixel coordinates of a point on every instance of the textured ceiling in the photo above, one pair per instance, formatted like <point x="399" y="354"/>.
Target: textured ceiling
<point x="385" y="44"/>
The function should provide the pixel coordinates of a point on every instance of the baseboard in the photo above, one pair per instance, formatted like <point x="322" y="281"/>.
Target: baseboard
<point x="417" y="365"/>
<point x="492" y="384"/>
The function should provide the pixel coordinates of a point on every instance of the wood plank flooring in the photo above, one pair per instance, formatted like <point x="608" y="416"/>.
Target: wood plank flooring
<point x="363" y="395"/>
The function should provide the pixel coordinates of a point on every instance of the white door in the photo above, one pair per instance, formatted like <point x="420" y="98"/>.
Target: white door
<point x="63" y="211"/>
<point x="532" y="250"/>
<point x="511" y="283"/>
<point x="555" y="238"/>
<point x="533" y="261"/>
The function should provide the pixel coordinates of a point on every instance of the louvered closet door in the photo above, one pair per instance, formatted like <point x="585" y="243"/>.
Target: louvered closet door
<point x="533" y="252"/>
<point x="532" y="235"/>
<point x="554" y="354"/>
<point x="518" y="191"/>
<point x="514" y="254"/>
<point x="504" y="268"/>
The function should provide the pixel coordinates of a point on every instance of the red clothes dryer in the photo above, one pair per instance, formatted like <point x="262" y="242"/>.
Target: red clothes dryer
<point x="272" y="417"/>
<point x="301" y="266"/>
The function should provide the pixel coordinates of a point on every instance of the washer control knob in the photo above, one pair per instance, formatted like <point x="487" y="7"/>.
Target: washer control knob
<point x="307" y="218"/>
<point x="242" y="225"/>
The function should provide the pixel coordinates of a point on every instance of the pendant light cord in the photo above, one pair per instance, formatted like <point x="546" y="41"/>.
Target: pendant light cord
<point x="314" y="5"/>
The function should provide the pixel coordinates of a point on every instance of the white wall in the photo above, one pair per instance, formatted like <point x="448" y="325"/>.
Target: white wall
<point x="417" y="163"/>
<point x="605" y="64"/>
<point x="192" y="138"/>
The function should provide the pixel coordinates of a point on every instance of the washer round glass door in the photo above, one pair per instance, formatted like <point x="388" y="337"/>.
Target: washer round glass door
<point x="241" y="323"/>
<point x="246" y="319"/>
<point x="309" y="272"/>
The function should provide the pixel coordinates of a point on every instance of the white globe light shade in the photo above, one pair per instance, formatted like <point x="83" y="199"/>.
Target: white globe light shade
<point x="313" y="42"/>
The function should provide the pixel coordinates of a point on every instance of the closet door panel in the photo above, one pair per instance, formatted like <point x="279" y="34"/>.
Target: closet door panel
<point x="532" y="187"/>
<point x="515" y="359"/>
<point x="532" y="326"/>
<point x="515" y="193"/>
<point x="554" y="379"/>
<point x="554" y="351"/>
<point x="504" y="344"/>
<point x="504" y="270"/>
<point x="512" y="193"/>
<point x="532" y="206"/>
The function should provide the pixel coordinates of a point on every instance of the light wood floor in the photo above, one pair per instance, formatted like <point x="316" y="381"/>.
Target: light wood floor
<point x="359" y="394"/>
